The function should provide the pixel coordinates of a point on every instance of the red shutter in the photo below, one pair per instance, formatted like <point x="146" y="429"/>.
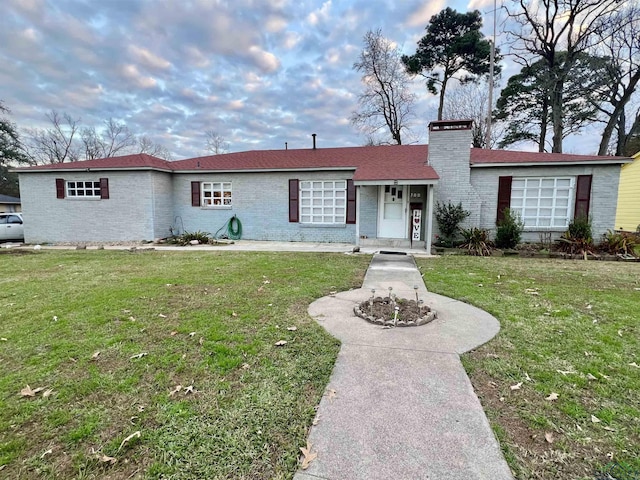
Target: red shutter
<point x="583" y="195"/>
<point x="195" y="194"/>
<point x="504" y="196"/>
<point x="104" y="188"/>
<point x="351" y="202"/>
<point x="293" y="200"/>
<point x="59" y="187"/>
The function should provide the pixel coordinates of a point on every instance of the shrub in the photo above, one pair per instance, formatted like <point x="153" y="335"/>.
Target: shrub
<point x="578" y="237"/>
<point x="509" y="230"/>
<point x="187" y="237"/>
<point x="476" y="241"/>
<point x="620" y="243"/>
<point x="449" y="218"/>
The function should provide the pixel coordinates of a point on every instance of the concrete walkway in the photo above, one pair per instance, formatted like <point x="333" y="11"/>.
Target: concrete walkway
<point x="399" y="404"/>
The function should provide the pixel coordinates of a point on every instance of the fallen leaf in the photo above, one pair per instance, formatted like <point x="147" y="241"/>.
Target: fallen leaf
<point x="133" y="319"/>
<point x="516" y="386"/>
<point x="46" y="452"/>
<point x="189" y="389"/>
<point x="245" y="366"/>
<point x="566" y="372"/>
<point x="173" y="333"/>
<point x="308" y="456"/>
<point x="162" y="315"/>
<point x="175" y="390"/>
<point x="192" y="334"/>
<point x="531" y="291"/>
<point x="606" y="377"/>
<point x="266" y="282"/>
<point x="234" y="314"/>
<point x="102" y="458"/>
<point x="331" y="394"/>
<point x="588" y="307"/>
<point x="128" y="439"/>
<point x="139" y="355"/>
<point x="95" y="355"/>
<point x="587" y="354"/>
<point x="634" y="364"/>
<point x="292" y="329"/>
<point x="609" y="429"/>
<point x="591" y="377"/>
<point x="315" y="420"/>
<point x="595" y="419"/>
<point x="55" y="318"/>
<point x="141" y="408"/>
<point x="526" y="375"/>
<point x="27" y="392"/>
<point x="620" y="333"/>
<point x="549" y="437"/>
<point x="3" y="339"/>
<point x="126" y="311"/>
<point x="201" y="341"/>
<point x="47" y="393"/>
<point x="553" y="396"/>
<point x="281" y="343"/>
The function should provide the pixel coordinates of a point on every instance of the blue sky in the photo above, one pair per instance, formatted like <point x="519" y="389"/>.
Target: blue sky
<point x="259" y="72"/>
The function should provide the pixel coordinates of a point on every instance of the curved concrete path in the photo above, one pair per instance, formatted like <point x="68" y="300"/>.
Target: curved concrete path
<point x="399" y="404"/>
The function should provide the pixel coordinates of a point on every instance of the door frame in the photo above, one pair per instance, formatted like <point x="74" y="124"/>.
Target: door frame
<point x="405" y="204"/>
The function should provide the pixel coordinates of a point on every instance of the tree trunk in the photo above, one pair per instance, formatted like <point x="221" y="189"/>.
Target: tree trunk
<point x="556" y="114"/>
<point x="617" y="111"/>
<point x="622" y="121"/>
<point x="544" y="124"/>
<point x="442" y="90"/>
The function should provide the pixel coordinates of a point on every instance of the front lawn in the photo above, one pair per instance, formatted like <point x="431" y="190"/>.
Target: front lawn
<point x="561" y="381"/>
<point x="178" y="346"/>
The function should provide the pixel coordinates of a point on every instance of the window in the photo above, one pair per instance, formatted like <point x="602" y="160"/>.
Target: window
<point x="83" y="189"/>
<point x="216" y="194"/>
<point x="323" y="202"/>
<point x="543" y="202"/>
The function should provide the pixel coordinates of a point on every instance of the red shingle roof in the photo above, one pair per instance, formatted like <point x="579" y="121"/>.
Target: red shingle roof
<point x="133" y="162"/>
<point x="394" y="162"/>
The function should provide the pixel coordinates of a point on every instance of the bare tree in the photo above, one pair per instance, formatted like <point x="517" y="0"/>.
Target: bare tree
<point x="115" y="138"/>
<point x="56" y="144"/>
<point x="216" y="143"/>
<point x="471" y="101"/>
<point x="620" y="42"/>
<point x="386" y="103"/>
<point x="547" y="27"/>
<point x="148" y="146"/>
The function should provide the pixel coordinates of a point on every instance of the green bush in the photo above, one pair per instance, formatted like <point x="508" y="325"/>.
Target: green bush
<point x="509" y="230"/>
<point x="578" y="237"/>
<point x="620" y="243"/>
<point x="188" y="237"/>
<point x="449" y="218"/>
<point x="476" y="241"/>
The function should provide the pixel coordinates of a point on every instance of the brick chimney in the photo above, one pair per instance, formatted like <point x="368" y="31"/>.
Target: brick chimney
<point x="449" y="154"/>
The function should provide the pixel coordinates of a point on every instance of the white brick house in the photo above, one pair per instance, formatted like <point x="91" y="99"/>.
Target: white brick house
<point x="355" y="195"/>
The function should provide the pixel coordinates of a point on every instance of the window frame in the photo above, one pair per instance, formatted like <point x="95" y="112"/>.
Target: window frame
<point x="328" y="195"/>
<point x="72" y="192"/>
<point x="208" y="197"/>
<point x="546" y="206"/>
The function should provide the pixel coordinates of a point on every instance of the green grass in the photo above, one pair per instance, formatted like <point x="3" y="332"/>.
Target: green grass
<point x="204" y="319"/>
<point x="580" y="318"/>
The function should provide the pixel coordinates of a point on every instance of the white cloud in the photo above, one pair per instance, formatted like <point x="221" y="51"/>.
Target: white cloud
<point x="266" y="61"/>
<point x="132" y="73"/>
<point x="322" y="14"/>
<point x="275" y="23"/>
<point x="148" y="59"/>
<point x="421" y="16"/>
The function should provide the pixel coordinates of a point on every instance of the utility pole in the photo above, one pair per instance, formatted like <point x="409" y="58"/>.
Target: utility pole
<point x="492" y="60"/>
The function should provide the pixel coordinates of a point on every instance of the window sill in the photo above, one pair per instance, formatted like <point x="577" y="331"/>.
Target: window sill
<point x="79" y="199"/>
<point x="217" y="207"/>
<point x="545" y="229"/>
<point x="323" y="225"/>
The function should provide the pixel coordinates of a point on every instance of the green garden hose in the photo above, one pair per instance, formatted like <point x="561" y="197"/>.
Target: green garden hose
<point x="233" y="229"/>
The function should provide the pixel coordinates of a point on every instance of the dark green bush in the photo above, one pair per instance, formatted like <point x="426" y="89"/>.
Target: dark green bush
<point x="449" y="218"/>
<point x="578" y="237"/>
<point x="580" y="228"/>
<point x="509" y="231"/>
<point x="476" y="241"/>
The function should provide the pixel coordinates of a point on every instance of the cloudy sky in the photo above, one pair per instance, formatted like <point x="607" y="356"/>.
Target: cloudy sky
<point x="259" y="72"/>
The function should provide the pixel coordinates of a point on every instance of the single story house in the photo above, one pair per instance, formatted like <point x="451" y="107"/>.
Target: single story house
<point x="628" y="213"/>
<point x="382" y="195"/>
<point x="9" y="204"/>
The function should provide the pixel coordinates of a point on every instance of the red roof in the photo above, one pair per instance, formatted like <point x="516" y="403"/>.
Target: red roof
<point x="394" y="162"/>
<point x="134" y="162"/>
<point x="481" y="156"/>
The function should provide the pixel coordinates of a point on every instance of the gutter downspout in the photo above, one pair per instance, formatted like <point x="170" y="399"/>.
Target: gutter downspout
<point x="357" y="215"/>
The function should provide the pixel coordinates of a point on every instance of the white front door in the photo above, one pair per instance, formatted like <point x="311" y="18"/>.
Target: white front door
<point x="392" y="221"/>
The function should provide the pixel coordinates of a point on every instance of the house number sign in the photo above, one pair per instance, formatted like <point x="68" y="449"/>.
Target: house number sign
<point x="415" y="224"/>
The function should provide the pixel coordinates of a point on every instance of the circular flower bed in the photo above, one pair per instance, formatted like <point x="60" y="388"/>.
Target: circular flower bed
<point x="382" y="311"/>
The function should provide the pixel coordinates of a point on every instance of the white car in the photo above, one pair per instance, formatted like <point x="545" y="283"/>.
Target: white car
<point x="11" y="227"/>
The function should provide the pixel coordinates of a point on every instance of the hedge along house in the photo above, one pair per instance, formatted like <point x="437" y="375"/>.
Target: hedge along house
<point x="361" y="195"/>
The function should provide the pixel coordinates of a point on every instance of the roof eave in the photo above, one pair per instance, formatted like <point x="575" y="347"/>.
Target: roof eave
<point x="413" y="181"/>
<point x="90" y="169"/>
<point x="264" y="170"/>
<point x="551" y="164"/>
